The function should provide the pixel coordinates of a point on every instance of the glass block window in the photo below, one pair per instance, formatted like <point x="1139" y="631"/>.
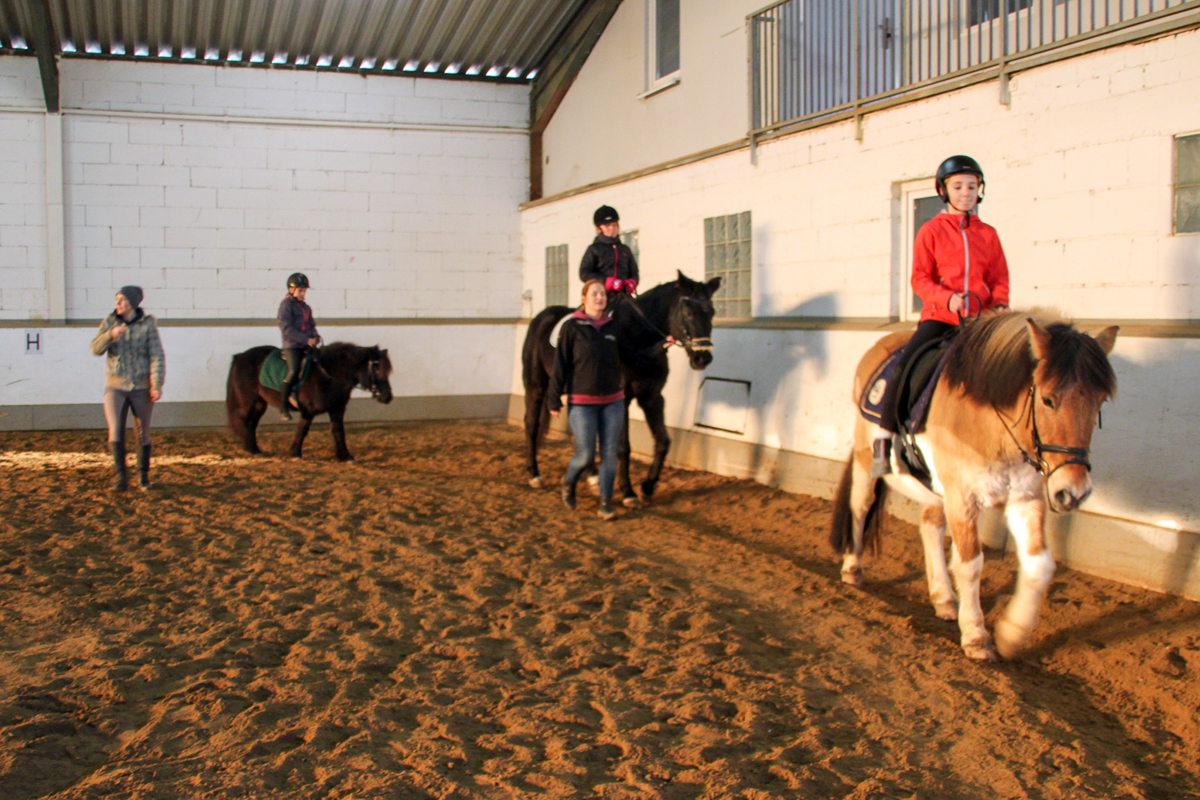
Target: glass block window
<point x="558" y="274"/>
<point x="727" y="254"/>
<point x="630" y="240"/>
<point x="1187" y="184"/>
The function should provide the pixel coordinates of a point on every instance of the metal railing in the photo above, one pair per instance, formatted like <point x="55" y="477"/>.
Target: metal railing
<point x="814" y="58"/>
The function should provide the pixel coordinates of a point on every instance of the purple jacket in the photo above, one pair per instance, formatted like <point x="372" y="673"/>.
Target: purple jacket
<point x="296" y="322"/>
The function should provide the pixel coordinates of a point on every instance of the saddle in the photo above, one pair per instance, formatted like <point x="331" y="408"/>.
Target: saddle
<point x="274" y="370"/>
<point x="918" y="380"/>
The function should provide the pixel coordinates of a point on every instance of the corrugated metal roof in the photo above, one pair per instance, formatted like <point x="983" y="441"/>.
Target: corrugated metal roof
<point x="480" y="39"/>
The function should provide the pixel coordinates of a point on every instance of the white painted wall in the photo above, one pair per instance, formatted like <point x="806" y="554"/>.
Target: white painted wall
<point x="428" y="360"/>
<point x="209" y="185"/>
<point x="603" y="128"/>
<point x="394" y="194"/>
<point x="1079" y="186"/>
<point x="22" y="188"/>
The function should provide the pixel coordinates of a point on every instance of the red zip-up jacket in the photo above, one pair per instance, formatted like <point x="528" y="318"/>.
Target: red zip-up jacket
<point x="952" y="251"/>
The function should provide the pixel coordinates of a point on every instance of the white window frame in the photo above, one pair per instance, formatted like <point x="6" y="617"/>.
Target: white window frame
<point x="910" y="192"/>
<point x="656" y="83"/>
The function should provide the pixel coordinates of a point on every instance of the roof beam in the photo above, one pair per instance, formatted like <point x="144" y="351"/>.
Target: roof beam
<point x="42" y="33"/>
<point x="557" y="72"/>
<point x="565" y="59"/>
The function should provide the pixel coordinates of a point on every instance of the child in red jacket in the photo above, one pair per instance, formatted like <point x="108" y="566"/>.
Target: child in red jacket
<point x="959" y="271"/>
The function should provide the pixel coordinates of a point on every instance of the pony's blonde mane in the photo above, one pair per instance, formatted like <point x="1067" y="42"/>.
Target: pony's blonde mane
<point x="992" y="359"/>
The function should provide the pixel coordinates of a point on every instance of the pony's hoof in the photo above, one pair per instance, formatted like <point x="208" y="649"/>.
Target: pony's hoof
<point x="631" y="502"/>
<point x="1011" y="639"/>
<point x="947" y="610"/>
<point x="537" y="483"/>
<point x="852" y="577"/>
<point x="981" y="651"/>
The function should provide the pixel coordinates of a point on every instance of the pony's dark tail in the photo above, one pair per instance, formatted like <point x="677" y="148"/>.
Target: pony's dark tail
<point x="841" y="534"/>
<point x="233" y="417"/>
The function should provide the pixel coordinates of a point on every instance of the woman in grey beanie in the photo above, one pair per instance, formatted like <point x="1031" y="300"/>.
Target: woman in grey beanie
<point x="134" y="373"/>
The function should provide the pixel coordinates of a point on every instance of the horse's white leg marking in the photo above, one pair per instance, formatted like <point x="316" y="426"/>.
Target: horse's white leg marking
<point x="862" y="494"/>
<point x="1015" y="628"/>
<point x="937" y="578"/>
<point x="976" y="642"/>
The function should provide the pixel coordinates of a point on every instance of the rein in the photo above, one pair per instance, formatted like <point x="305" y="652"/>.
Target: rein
<point x="1078" y="455"/>
<point x="700" y="344"/>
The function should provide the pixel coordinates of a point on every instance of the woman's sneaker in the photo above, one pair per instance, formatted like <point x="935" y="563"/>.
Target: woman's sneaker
<point x="606" y="509"/>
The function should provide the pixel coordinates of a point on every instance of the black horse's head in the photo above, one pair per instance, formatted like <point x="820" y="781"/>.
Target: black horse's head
<point x="374" y="372"/>
<point x="691" y="316"/>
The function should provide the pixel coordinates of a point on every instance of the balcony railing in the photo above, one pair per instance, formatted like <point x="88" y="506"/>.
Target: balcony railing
<point x="814" y="58"/>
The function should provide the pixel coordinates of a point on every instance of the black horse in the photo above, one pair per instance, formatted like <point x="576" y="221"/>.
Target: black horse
<point x="340" y="369"/>
<point x="681" y="309"/>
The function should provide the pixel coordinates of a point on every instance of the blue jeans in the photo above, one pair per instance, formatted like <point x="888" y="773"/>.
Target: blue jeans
<point x="587" y="422"/>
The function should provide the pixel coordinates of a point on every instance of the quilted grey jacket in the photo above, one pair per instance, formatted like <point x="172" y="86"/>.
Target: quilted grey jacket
<point x="136" y="360"/>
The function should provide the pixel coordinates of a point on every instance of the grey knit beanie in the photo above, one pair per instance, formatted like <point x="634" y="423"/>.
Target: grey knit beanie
<point x="133" y="294"/>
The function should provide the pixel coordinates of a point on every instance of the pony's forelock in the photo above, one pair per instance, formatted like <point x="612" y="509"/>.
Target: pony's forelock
<point x="992" y="360"/>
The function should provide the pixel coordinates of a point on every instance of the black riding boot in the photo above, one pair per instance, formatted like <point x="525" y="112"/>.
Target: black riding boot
<point x="118" y="454"/>
<point x="568" y="495"/>
<point x="285" y="401"/>
<point x="144" y="467"/>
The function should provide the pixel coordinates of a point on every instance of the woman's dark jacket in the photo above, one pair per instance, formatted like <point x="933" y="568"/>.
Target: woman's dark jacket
<point x="606" y="257"/>
<point x="587" y="367"/>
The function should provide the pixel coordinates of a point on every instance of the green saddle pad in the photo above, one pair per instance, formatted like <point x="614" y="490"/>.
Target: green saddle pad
<point x="274" y="370"/>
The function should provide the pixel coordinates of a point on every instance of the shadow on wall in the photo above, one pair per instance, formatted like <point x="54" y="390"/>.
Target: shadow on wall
<point x="1147" y="455"/>
<point x="776" y="363"/>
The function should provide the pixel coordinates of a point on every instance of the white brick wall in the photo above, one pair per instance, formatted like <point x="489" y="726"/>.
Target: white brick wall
<point x="1079" y="186"/>
<point x="211" y="216"/>
<point x="23" y="290"/>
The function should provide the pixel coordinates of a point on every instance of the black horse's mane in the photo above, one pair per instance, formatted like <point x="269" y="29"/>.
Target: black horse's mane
<point x="992" y="359"/>
<point x="353" y="355"/>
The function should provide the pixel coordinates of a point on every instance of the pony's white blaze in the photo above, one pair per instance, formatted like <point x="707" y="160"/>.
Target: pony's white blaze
<point x="980" y="438"/>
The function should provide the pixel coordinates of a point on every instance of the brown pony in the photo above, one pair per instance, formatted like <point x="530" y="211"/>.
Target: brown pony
<point x="341" y="368"/>
<point x="1010" y="424"/>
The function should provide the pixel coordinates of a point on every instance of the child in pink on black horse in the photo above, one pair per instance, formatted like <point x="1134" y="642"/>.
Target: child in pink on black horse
<point x="959" y="271"/>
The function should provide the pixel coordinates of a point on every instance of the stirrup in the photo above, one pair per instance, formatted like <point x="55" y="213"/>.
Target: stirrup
<point x="881" y="457"/>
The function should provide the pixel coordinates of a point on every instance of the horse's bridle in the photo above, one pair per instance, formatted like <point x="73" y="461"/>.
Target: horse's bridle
<point x="374" y="368"/>
<point x="693" y="343"/>
<point x="1079" y="455"/>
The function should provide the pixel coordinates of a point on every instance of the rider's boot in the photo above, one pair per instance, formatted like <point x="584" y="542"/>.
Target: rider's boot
<point x="881" y="456"/>
<point x="144" y="467"/>
<point x="119" y="468"/>
<point x="285" y="401"/>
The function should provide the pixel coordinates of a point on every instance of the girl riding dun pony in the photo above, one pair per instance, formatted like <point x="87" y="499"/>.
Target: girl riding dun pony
<point x="1010" y="424"/>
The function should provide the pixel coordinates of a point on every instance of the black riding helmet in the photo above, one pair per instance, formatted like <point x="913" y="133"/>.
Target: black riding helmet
<point x="603" y="215"/>
<point x="957" y="165"/>
<point x="297" y="280"/>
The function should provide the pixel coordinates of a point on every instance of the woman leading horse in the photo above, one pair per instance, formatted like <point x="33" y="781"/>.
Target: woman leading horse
<point x="677" y="312"/>
<point x="1010" y="424"/>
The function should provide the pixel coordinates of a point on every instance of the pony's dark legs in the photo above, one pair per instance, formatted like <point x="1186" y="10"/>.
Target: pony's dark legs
<point x="338" y="428"/>
<point x="258" y="407"/>
<point x="654" y="407"/>
<point x="301" y="431"/>
<point x="535" y="398"/>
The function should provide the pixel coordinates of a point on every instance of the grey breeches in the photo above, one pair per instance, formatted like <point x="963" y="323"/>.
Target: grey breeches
<point x="116" y="408"/>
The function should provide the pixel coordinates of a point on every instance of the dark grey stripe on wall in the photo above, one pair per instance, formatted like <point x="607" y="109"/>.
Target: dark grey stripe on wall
<point x="211" y="414"/>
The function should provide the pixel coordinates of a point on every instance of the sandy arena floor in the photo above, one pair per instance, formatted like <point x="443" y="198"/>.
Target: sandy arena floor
<point x="422" y="624"/>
